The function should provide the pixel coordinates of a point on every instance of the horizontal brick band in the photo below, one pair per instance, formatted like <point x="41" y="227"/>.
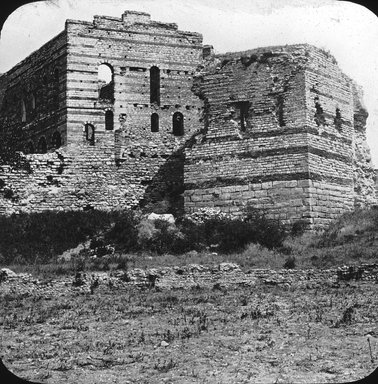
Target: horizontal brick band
<point x="338" y="99"/>
<point x="146" y="42"/>
<point x="327" y="75"/>
<point x="128" y="59"/>
<point x="273" y="152"/>
<point x="225" y="182"/>
<point x="285" y="131"/>
<point x="146" y="33"/>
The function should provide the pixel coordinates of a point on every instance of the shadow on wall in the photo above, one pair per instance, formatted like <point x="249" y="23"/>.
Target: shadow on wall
<point x="164" y="193"/>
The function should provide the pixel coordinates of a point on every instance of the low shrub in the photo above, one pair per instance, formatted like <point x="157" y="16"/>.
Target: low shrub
<point x="44" y="236"/>
<point x="258" y="256"/>
<point x="348" y="226"/>
<point x="124" y="231"/>
<point x="27" y="236"/>
<point x="298" y="228"/>
<point x="219" y="232"/>
<point x="159" y="236"/>
<point x="123" y="261"/>
<point x="290" y="263"/>
<point x="267" y="232"/>
<point x="228" y="235"/>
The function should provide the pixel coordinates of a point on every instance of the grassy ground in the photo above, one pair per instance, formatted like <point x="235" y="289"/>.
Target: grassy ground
<point x="241" y="335"/>
<point x="306" y="251"/>
<point x="353" y="239"/>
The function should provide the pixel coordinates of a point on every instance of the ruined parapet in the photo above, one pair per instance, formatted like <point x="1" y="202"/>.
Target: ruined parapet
<point x="363" y="169"/>
<point x="254" y="147"/>
<point x="280" y="135"/>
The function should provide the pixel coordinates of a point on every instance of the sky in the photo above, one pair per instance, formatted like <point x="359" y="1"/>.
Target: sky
<point x="348" y="30"/>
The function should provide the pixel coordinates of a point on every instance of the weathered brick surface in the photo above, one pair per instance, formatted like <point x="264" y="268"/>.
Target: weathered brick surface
<point x="124" y="166"/>
<point x="303" y="123"/>
<point x="281" y="128"/>
<point x="41" y="75"/>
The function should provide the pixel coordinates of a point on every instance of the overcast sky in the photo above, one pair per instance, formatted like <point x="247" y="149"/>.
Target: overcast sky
<point x="348" y="30"/>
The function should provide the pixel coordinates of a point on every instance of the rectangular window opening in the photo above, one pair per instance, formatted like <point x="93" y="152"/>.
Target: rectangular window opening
<point x="242" y="109"/>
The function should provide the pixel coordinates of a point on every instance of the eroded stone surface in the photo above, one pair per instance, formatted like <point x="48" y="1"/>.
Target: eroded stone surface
<point x="178" y="128"/>
<point x="193" y="276"/>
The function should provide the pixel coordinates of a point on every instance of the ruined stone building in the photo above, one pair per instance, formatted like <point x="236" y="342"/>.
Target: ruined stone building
<point x="126" y="112"/>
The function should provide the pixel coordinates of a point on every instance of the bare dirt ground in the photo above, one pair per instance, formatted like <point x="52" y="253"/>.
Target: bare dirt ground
<point x="240" y="334"/>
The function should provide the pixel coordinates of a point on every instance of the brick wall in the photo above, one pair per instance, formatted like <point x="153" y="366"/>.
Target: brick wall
<point x="38" y="82"/>
<point x="131" y="45"/>
<point x="281" y="128"/>
<point x="130" y="163"/>
<point x="295" y="150"/>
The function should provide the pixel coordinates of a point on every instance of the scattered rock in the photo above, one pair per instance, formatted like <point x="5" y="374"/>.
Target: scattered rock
<point x="70" y="253"/>
<point x="192" y="253"/>
<point x="7" y="273"/>
<point x="196" y="268"/>
<point x="164" y="344"/>
<point x="80" y="279"/>
<point x="191" y="276"/>
<point x="166" y="217"/>
<point x="228" y="267"/>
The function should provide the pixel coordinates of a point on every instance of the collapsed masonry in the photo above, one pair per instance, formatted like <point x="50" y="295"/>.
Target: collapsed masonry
<point x="176" y="128"/>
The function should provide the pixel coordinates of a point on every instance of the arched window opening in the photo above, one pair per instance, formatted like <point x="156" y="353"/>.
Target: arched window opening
<point x="56" y="140"/>
<point x="90" y="133"/>
<point x="33" y="103"/>
<point x="105" y="82"/>
<point x="155" y="85"/>
<point x="23" y="111"/>
<point x="242" y="113"/>
<point x="109" y="120"/>
<point x="42" y="145"/>
<point x="178" y="124"/>
<point x="154" y="122"/>
<point x="29" y="148"/>
<point x="280" y="110"/>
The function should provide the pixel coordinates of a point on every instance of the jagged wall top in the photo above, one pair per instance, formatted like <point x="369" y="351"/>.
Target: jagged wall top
<point x="302" y="55"/>
<point x="133" y="21"/>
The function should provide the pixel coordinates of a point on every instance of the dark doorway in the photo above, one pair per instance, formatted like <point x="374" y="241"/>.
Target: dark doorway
<point x="154" y="122"/>
<point x="42" y="145"/>
<point x="56" y="140"/>
<point x="109" y="120"/>
<point x="243" y="112"/>
<point x="155" y="85"/>
<point x="90" y="133"/>
<point x="29" y="148"/>
<point x="178" y="124"/>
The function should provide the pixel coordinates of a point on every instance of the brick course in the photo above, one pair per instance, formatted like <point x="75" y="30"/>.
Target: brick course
<point x="281" y="128"/>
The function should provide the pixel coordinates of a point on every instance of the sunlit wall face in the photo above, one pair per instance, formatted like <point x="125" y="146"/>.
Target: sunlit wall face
<point x="349" y="31"/>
